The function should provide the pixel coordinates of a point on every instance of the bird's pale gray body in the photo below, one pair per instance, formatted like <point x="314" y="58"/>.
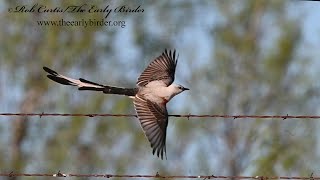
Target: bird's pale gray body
<point x="154" y="89"/>
<point x="157" y="92"/>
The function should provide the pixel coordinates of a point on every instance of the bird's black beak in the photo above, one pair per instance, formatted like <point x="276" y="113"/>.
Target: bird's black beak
<point x="185" y="88"/>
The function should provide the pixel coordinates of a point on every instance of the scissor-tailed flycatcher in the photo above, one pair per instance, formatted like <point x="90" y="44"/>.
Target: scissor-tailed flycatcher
<point x="154" y="89"/>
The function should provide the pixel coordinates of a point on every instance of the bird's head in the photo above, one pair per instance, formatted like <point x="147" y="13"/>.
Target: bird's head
<point x="177" y="89"/>
<point x="173" y="90"/>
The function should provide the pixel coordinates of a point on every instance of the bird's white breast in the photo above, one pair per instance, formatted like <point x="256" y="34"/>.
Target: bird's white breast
<point x="159" y="94"/>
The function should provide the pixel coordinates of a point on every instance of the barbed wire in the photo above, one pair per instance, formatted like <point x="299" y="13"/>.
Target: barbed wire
<point x="188" y="116"/>
<point x="59" y="174"/>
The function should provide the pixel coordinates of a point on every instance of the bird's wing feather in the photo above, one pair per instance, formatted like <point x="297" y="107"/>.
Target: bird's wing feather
<point x="153" y="118"/>
<point x="162" y="68"/>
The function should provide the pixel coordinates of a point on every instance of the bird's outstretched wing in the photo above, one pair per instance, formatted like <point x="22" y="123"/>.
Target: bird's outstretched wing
<point x="160" y="69"/>
<point x="154" y="121"/>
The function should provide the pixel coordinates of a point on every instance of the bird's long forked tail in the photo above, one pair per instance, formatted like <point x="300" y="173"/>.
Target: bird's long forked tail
<point x="88" y="85"/>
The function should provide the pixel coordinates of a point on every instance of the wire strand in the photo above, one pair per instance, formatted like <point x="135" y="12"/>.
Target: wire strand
<point x="59" y="174"/>
<point x="172" y="115"/>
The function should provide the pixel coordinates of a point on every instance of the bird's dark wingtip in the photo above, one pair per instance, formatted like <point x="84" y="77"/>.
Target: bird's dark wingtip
<point x="165" y="52"/>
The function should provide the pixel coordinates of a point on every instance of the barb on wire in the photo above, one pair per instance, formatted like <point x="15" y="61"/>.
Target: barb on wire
<point x="59" y="174"/>
<point x="188" y="116"/>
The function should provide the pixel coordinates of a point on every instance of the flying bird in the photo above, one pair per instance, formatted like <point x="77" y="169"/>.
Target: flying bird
<point x="155" y="88"/>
